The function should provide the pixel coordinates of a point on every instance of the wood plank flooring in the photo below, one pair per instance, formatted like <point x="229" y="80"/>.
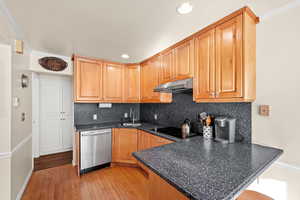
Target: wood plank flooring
<point x="53" y="160"/>
<point x="62" y="183"/>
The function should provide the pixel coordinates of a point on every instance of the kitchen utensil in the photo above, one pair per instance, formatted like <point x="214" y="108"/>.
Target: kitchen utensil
<point x="186" y="128"/>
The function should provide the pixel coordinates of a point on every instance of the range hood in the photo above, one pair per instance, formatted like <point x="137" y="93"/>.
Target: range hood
<point x="175" y="86"/>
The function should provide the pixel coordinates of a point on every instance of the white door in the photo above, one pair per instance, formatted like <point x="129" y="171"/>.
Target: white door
<point x="50" y="116"/>
<point x="56" y="121"/>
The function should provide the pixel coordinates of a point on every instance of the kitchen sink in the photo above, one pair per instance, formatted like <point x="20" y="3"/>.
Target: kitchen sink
<point x="131" y="124"/>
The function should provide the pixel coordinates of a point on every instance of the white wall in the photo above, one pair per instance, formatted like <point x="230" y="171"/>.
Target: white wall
<point x="21" y="131"/>
<point x="278" y="85"/>
<point x="5" y="84"/>
<point x="5" y="114"/>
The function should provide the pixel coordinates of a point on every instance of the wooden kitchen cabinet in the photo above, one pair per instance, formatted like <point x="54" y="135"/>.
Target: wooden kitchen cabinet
<point x="132" y="83"/>
<point x="159" y="189"/>
<point x="204" y="78"/>
<point x="184" y="60"/>
<point x="225" y="58"/>
<point x="150" y="72"/>
<point x="147" y="140"/>
<point x="156" y="141"/>
<point x="144" y="141"/>
<point x="113" y="82"/>
<point x="150" y="80"/>
<point x="167" y="66"/>
<point x="88" y="80"/>
<point x="125" y="142"/>
<point x="229" y="58"/>
<point x="221" y="58"/>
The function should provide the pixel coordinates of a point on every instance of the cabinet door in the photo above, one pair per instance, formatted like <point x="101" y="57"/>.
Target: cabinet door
<point x="113" y="82"/>
<point x="143" y="141"/>
<point x="155" y="65"/>
<point x="204" y="78"/>
<point x="159" y="189"/>
<point x="156" y="141"/>
<point x="184" y="57"/>
<point x="124" y="144"/>
<point x="167" y="66"/>
<point x="229" y="59"/>
<point x="88" y="80"/>
<point x="132" y="83"/>
<point x="145" y="82"/>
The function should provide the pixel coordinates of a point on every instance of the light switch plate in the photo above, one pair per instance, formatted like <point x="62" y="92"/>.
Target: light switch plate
<point x="264" y="110"/>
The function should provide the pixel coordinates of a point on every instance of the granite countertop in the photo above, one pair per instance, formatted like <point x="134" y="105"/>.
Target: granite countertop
<point x="206" y="170"/>
<point x="145" y="127"/>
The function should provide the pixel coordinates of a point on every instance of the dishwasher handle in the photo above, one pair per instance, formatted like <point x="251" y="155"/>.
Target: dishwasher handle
<point x="98" y="132"/>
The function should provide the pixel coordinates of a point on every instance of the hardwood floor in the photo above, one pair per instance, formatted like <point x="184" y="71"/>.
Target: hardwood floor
<point x="53" y="160"/>
<point x="62" y="183"/>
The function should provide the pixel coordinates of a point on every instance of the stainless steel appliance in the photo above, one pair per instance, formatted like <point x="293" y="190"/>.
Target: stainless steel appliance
<point x="225" y="129"/>
<point x="175" y="86"/>
<point x="95" y="149"/>
<point x="186" y="128"/>
<point x="172" y="131"/>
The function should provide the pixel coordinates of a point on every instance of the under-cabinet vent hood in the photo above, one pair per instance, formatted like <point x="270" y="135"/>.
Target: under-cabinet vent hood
<point x="175" y="86"/>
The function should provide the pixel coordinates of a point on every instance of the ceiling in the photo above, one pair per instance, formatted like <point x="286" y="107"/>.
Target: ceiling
<point x="106" y="29"/>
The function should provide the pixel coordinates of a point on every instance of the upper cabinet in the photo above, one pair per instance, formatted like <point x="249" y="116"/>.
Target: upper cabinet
<point x="88" y="80"/>
<point x="167" y="66"/>
<point x="150" y="79"/>
<point x="132" y="83"/>
<point x="229" y="54"/>
<point x="113" y="82"/>
<point x="225" y="61"/>
<point x="178" y="62"/>
<point x="220" y="58"/>
<point x="204" y="79"/>
<point x="184" y="60"/>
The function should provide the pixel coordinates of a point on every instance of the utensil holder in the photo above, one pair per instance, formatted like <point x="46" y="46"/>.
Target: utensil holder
<point x="208" y="132"/>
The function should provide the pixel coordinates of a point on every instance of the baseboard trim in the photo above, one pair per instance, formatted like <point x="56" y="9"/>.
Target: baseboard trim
<point x="21" y="192"/>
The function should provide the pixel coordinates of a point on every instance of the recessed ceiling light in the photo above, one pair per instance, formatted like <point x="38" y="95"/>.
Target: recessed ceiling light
<point x="125" y="56"/>
<point x="185" y="8"/>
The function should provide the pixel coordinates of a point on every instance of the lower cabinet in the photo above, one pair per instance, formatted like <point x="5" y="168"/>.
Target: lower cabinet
<point x="159" y="189"/>
<point x="147" y="140"/>
<point x="124" y="143"/>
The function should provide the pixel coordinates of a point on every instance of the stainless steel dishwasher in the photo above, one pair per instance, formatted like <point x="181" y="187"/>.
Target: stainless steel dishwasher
<point x="95" y="149"/>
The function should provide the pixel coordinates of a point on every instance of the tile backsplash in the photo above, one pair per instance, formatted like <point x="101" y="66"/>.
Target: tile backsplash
<point x="83" y="112"/>
<point x="171" y="114"/>
<point x="183" y="107"/>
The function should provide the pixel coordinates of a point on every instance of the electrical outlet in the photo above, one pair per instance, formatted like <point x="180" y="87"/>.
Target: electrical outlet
<point x="264" y="110"/>
<point x="95" y="117"/>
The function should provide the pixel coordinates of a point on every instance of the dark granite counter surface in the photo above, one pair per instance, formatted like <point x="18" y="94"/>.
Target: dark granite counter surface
<point x="145" y="127"/>
<point x="206" y="170"/>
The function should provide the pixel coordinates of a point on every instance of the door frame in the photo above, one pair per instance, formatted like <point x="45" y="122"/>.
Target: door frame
<point x="36" y="77"/>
